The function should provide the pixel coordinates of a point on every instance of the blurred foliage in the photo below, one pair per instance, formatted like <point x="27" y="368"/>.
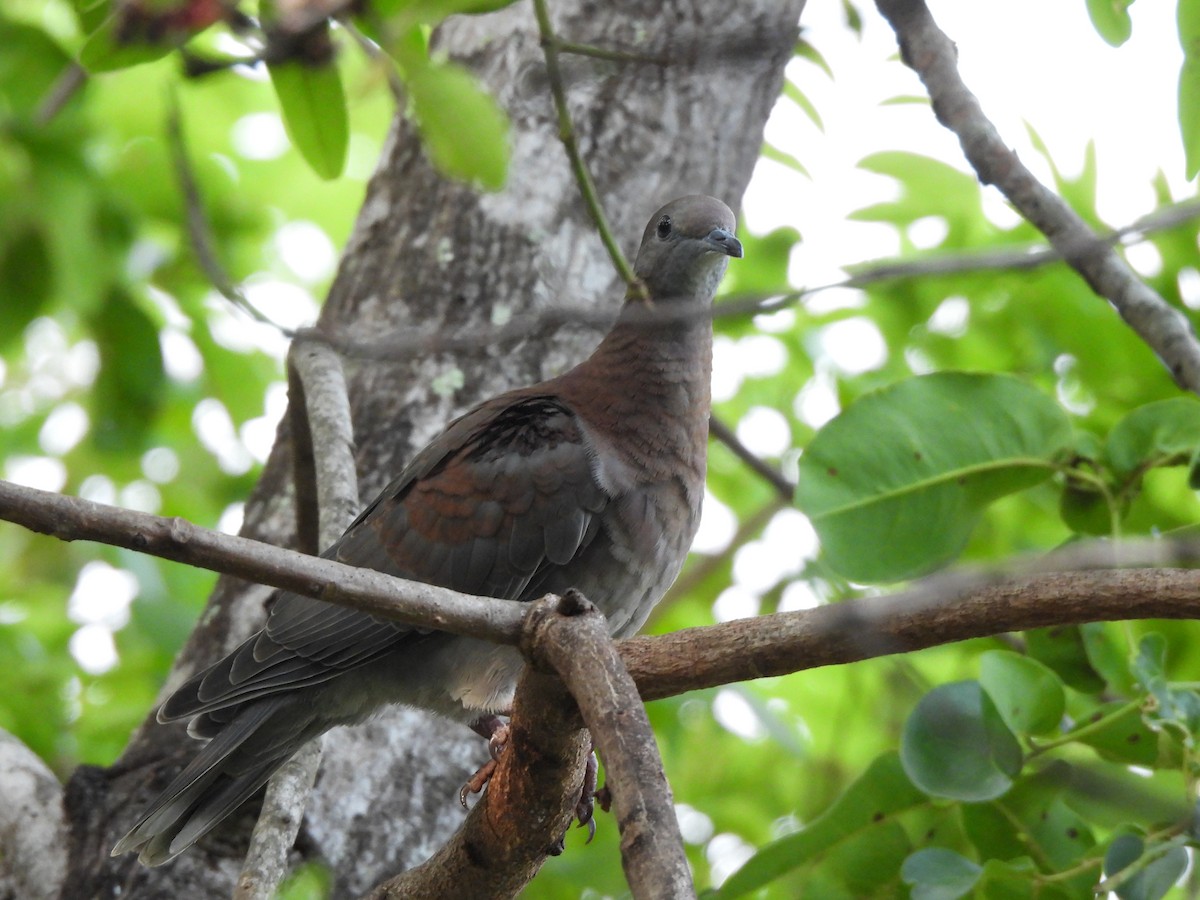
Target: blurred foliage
<point x="1021" y="766"/>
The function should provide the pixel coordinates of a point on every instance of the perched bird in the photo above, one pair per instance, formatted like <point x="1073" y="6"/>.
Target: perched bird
<point x="591" y="480"/>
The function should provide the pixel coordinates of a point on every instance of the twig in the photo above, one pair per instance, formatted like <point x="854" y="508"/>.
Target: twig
<point x="66" y="85"/>
<point x="622" y="56"/>
<point x="723" y="433"/>
<point x="199" y="234"/>
<point x="566" y="133"/>
<point x="376" y="54"/>
<point x="572" y="637"/>
<point x="927" y="50"/>
<point x="278" y="824"/>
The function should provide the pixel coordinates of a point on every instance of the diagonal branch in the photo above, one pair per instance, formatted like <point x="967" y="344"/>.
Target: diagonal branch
<point x="928" y="51"/>
<point x="426" y="606"/>
<point x="573" y="638"/>
<point x="566" y="134"/>
<point x="326" y="500"/>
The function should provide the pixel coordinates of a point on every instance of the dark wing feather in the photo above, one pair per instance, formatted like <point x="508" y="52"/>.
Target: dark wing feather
<point x="504" y="494"/>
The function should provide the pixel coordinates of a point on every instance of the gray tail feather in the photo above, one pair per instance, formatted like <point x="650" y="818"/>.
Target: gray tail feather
<point x="223" y="775"/>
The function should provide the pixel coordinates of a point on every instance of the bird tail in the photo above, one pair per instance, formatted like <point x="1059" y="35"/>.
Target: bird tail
<point x="257" y="740"/>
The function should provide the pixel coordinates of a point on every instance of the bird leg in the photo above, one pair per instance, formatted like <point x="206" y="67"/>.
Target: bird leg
<point x="496" y="731"/>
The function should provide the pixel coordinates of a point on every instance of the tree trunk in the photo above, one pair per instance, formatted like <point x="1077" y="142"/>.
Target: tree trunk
<point x="428" y="254"/>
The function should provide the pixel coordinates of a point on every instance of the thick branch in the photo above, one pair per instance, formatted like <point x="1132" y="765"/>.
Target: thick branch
<point x="573" y="637"/>
<point x="524" y="813"/>
<point x="932" y="55"/>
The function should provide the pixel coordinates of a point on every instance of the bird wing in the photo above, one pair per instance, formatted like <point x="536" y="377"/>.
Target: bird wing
<point x="507" y="492"/>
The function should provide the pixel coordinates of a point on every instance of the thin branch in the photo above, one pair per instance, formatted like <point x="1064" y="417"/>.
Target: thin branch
<point x="326" y="496"/>
<point x="939" y="611"/>
<point x="1061" y="589"/>
<point x="406" y="343"/>
<point x="278" y="824"/>
<point x="621" y="56"/>
<point x="65" y="86"/>
<point x="199" y="234"/>
<point x="323" y="444"/>
<point x="573" y="638"/>
<point x="723" y="433"/>
<point x="423" y="605"/>
<point x="927" y="50"/>
<point x="377" y="55"/>
<point x="566" y="133"/>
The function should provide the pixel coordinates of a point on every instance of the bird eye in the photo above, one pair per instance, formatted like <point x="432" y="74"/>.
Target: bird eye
<point x="664" y="227"/>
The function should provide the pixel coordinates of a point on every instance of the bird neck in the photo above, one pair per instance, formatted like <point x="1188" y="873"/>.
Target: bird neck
<point x="651" y="369"/>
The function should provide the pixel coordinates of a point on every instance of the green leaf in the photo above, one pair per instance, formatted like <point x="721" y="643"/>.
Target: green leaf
<point x="1164" y="432"/>
<point x="1016" y="879"/>
<point x="895" y="483"/>
<point x="128" y="391"/>
<point x="464" y="130"/>
<point x="866" y="862"/>
<point x="792" y="92"/>
<point x="1027" y="694"/>
<point x="29" y="66"/>
<point x="955" y="745"/>
<point x="1174" y="706"/>
<point x="1155" y="879"/>
<point x="880" y="792"/>
<point x="1111" y="19"/>
<point x="26" y="281"/>
<point x="1106" y="652"/>
<point x="783" y="157"/>
<point x="313" y="105"/>
<point x="939" y="874"/>
<point x="105" y="50"/>
<point x="929" y="187"/>
<point x="1188" y="19"/>
<point x="1118" y="733"/>
<point x="1062" y="649"/>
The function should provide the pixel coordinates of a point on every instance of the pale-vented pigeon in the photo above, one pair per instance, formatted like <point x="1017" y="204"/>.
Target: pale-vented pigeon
<point x="591" y="480"/>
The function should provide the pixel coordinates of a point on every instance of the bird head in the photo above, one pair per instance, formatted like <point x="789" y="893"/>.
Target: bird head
<point x="685" y="249"/>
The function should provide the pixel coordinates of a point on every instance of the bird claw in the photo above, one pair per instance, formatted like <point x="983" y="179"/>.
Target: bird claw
<point x="478" y="781"/>
<point x="496" y="731"/>
<point x="498" y="741"/>
<point x="586" y="807"/>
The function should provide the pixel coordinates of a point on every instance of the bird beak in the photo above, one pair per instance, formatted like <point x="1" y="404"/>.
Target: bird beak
<point x="722" y="241"/>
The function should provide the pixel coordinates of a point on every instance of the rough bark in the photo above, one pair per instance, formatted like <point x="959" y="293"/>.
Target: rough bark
<point x="431" y="255"/>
